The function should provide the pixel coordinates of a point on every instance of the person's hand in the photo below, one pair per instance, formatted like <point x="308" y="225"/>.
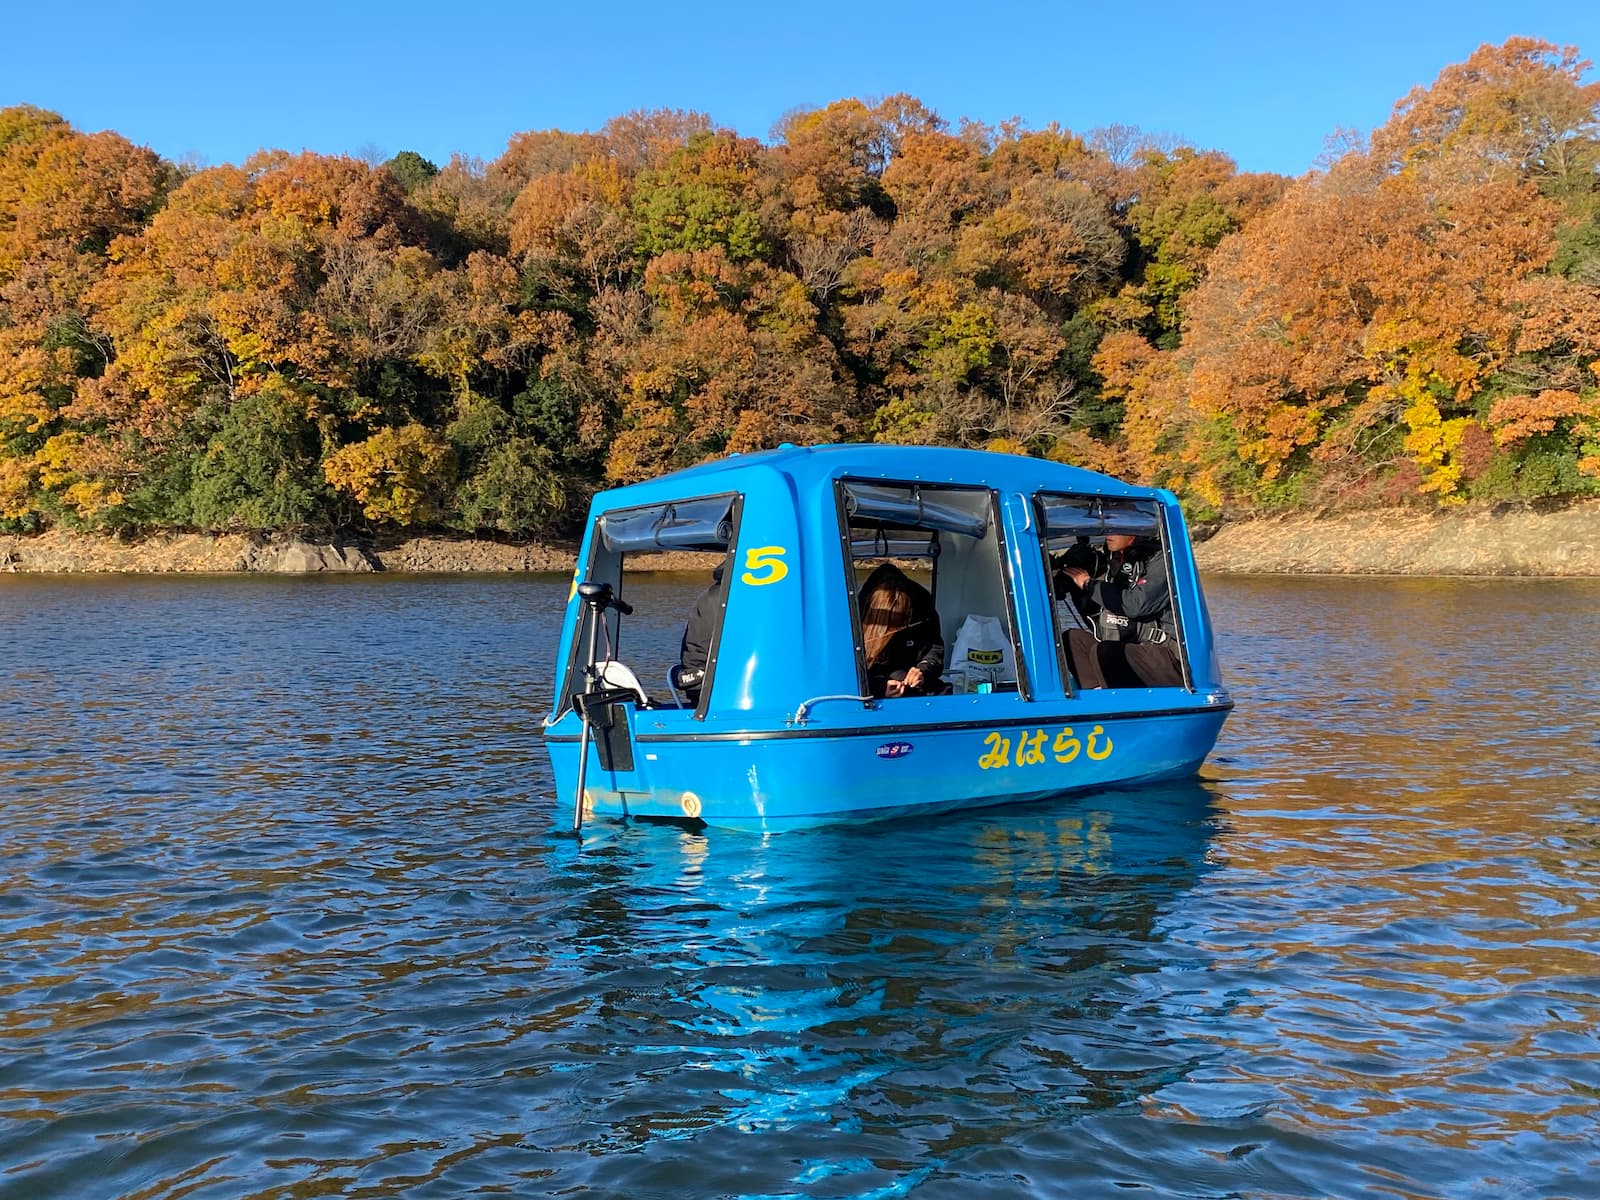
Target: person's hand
<point x="1079" y="577"/>
<point x="913" y="679"/>
<point x="894" y="687"/>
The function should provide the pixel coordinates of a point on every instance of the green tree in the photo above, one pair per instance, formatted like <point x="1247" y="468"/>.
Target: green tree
<point x="706" y="196"/>
<point x="411" y="170"/>
<point x="261" y="470"/>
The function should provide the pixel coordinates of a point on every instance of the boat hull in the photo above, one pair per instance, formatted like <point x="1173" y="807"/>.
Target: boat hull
<point x="788" y="778"/>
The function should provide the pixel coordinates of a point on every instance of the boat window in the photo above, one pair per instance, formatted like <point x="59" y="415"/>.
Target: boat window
<point x="666" y="650"/>
<point x="927" y="562"/>
<point x="1111" y="579"/>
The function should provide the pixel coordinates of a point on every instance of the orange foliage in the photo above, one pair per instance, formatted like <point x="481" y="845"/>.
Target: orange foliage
<point x="1516" y="418"/>
<point x="290" y="267"/>
<point x="1377" y="291"/>
<point x="1519" y="110"/>
<point x="729" y="359"/>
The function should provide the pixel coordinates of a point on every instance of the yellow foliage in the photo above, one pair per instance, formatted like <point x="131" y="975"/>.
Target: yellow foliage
<point x="1285" y="429"/>
<point x="1433" y="441"/>
<point x="55" y="459"/>
<point x="61" y="463"/>
<point x="1432" y="444"/>
<point x="92" y="499"/>
<point x="17" y="479"/>
<point x="1126" y="310"/>
<point x="24" y="370"/>
<point x="903" y="421"/>
<point x="395" y="473"/>
<point x="1202" y="483"/>
<point x="450" y="353"/>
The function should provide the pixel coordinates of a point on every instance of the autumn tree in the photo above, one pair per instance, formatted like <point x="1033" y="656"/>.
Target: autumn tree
<point x="1373" y="316"/>
<point x="64" y="197"/>
<point x="1519" y="111"/>
<point x="966" y="313"/>
<point x="721" y="356"/>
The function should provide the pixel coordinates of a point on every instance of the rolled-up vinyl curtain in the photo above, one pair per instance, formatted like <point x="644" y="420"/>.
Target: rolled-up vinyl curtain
<point x="1097" y="516"/>
<point x="904" y="508"/>
<point x="704" y="524"/>
<point x="883" y="546"/>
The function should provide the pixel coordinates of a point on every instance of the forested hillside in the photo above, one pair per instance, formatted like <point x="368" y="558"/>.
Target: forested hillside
<point x="304" y="341"/>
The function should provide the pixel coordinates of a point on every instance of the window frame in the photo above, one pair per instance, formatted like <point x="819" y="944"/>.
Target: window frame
<point x="573" y="670"/>
<point x="846" y="545"/>
<point x="1163" y="535"/>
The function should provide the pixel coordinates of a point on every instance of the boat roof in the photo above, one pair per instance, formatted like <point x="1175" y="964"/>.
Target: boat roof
<point x="809" y="466"/>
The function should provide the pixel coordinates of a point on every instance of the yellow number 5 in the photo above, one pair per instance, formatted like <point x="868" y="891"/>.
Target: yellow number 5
<point x="764" y="558"/>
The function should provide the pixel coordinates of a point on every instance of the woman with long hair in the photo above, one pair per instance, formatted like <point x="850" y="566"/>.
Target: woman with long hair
<point x="900" y="632"/>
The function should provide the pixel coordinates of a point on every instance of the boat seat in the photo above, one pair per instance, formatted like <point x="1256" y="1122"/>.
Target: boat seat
<point x="617" y="675"/>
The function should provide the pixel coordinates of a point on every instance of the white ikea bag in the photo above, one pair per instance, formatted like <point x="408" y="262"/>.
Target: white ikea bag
<point x="981" y="659"/>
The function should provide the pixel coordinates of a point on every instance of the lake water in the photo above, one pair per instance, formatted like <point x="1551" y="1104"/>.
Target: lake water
<point x="287" y="909"/>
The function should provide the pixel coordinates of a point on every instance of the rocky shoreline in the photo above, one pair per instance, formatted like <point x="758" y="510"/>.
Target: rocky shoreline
<point x="1503" y="540"/>
<point x="1498" y="540"/>
<point x="64" y="553"/>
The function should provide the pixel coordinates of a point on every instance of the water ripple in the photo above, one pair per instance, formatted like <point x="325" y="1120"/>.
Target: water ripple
<point x="285" y="911"/>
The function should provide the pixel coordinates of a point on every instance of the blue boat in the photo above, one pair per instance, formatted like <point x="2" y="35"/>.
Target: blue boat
<point x="786" y="725"/>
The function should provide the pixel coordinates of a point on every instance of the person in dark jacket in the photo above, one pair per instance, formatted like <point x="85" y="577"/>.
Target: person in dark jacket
<point x="695" y="651"/>
<point x="900" y="632"/>
<point x="1092" y="561"/>
<point x="1137" y="644"/>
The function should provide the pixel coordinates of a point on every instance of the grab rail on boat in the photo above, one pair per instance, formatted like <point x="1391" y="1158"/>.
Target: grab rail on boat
<point x="799" y="717"/>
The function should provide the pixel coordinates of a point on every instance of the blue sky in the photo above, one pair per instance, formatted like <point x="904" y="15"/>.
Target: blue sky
<point x="216" y="81"/>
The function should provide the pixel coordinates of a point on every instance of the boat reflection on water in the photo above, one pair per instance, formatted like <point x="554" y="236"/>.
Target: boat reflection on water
<point x="909" y="990"/>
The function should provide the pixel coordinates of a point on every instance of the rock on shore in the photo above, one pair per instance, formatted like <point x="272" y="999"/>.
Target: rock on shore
<point x="1503" y="540"/>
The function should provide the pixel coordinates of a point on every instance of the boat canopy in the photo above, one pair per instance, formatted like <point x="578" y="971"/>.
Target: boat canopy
<point x="789" y="537"/>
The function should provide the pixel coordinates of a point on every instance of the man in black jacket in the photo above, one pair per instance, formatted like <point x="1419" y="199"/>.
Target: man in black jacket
<point x="1138" y="634"/>
<point x="695" y="651"/>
